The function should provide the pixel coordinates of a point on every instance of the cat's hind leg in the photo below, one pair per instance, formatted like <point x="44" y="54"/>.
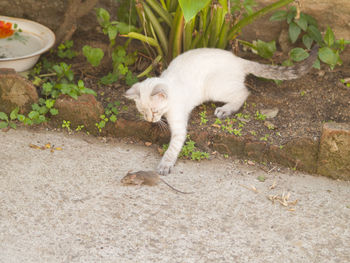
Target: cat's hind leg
<point x="233" y="103"/>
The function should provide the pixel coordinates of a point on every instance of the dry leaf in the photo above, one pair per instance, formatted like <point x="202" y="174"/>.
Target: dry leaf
<point x="274" y="184"/>
<point x="34" y="146"/>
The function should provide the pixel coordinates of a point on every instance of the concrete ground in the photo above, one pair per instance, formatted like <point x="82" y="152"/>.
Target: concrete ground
<point x="69" y="206"/>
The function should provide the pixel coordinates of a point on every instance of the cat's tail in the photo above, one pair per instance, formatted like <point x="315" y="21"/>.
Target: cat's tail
<point x="280" y="72"/>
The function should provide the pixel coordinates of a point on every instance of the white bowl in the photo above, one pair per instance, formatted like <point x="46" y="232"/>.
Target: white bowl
<point x="36" y="39"/>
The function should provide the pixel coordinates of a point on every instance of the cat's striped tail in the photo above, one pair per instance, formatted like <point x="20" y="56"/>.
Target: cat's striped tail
<point x="281" y="72"/>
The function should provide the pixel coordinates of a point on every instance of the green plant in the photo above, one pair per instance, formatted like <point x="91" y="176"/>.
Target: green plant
<point x="260" y="116"/>
<point x="66" y="125"/>
<point x="345" y="82"/>
<point x="262" y="48"/>
<point x="204" y="118"/>
<point x="111" y="113"/>
<point x="103" y="120"/>
<point x="64" y="50"/>
<point x="172" y="27"/>
<point x="121" y="59"/>
<point x="63" y="84"/>
<point x="305" y="27"/>
<point x="93" y="55"/>
<point x="189" y="151"/>
<point x="79" y="127"/>
<point x="265" y="138"/>
<point x="8" y="121"/>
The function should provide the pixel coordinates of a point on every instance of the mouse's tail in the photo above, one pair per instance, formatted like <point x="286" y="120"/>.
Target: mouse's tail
<point x="281" y="72"/>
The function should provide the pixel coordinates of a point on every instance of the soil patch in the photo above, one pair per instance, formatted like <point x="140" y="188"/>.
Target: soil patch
<point x="302" y="105"/>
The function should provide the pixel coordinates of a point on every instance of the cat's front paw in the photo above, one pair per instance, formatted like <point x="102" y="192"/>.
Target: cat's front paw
<point x="222" y="112"/>
<point x="164" y="168"/>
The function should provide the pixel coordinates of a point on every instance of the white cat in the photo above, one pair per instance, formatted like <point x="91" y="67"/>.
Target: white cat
<point x="197" y="76"/>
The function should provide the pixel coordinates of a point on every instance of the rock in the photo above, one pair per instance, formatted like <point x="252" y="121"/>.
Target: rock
<point x="334" y="155"/>
<point x="269" y="125"/>
<point x="16" y="91"/>
<point x="85" y="110"/>
<point x="270" y="113"/>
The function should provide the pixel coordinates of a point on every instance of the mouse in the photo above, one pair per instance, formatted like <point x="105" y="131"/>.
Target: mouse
<point x="150" y="178"/>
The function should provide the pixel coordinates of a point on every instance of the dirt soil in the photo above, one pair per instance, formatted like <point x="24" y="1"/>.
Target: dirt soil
<point x="303" y="105"/>
<point x="68" y="205"/>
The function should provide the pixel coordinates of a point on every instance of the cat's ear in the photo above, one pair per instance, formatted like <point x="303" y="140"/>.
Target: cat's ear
<point x="159" y="91"/>
<point x="134" y="92"/>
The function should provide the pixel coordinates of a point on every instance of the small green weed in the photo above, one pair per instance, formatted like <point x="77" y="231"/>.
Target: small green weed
<point x="265" y="138"/>
<point x="66" y="125"/>
<point x="79" y="127"/>
<point x="64" y="50"/>
<point x="260" y="116"/>
<point x="204" y="118"/>
<point x="189" y="151"/>
<point x="346" y="82"/>
<point x="9" y="121"/>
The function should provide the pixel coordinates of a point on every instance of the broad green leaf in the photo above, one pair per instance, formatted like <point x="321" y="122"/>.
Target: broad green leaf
<point x="317" y="64"/>
<point x="294" y="32"/>
<point x="35" y="107"/>
<point x="328" y="56"/>
<point x="93" y="55"/>
<point x="33" y="115"/>
<point x="3" y="124"/>
<point x="266" y="49"/>
<point x="329" y="37"/>
<point x="89" y="91"/>
<point x="113" y="118"/>
<point x="43" y="110"/>
<point x="315" y="34"/>
<point x="73" y="94"/>
<point x="28" y="121"/>
<point x="3" y="116"/>
<point x="122" y="69"/>
<point x="291" y="14"/>
<point x="21" y="117"/>
<point x="279" y="15"/>
<point x="14" y="114"/>
<point x="54" y="111"/>
<point x="102" y="16"/>
<point x="40" y="119"/>
<point x="130" y="79"/>
<point x="301" y="22"/>
<point x="81" y="84"/>
<point x="13" y="125"/>
<point x="307" y="41"/>
<point x="112" y="32"/>
<point x="49" y="103"/>
<point x="191" y="8"/>
<point x="47" y="87"/>
<point x="109" y="79"/>
<point x="124" y="28"/>
<point x="311" y="20"/>
<point x="298" y="54"/>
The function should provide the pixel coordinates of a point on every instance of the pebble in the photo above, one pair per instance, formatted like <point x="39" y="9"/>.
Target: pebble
<point x="270" y="113"/>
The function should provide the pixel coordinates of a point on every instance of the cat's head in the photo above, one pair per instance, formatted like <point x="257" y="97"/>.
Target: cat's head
<point x="150" y="97"/>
